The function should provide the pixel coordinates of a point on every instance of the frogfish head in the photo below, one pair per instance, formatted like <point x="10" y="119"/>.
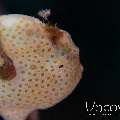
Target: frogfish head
<point x="39" y="65"/>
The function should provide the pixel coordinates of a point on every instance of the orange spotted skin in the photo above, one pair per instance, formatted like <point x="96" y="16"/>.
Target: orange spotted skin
<point x="42" y="66"/>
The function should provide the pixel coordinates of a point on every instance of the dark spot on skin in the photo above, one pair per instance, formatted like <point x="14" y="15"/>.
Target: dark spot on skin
<point x="54" y="34"/>
<point x="60" y="66"/>
<point x="7" y="70"/>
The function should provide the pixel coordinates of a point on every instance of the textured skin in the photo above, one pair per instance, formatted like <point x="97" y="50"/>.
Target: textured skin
<point x="46" y="61"/>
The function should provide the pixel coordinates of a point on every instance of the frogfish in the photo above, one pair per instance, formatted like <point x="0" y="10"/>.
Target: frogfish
<point x="39" y="65"/>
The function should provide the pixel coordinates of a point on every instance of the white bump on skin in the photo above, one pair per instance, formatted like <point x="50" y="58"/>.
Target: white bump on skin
<point x="9" y="21"/>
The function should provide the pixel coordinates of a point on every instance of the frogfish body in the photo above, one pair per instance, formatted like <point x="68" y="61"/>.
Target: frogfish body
<point x="39" y="65"/>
